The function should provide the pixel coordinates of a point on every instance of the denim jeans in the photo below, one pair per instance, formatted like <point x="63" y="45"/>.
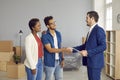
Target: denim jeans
<point x="39" y="71"/>
<point x="57" y="71"/>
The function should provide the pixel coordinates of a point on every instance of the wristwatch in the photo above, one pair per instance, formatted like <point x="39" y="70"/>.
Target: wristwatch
<point x="62" y="59"/>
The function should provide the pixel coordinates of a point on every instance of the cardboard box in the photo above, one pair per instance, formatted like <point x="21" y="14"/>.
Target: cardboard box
<point x="17" y="50"/>
<point x="15" y="70"/>
<point x="6" y="56"/>
<point x="3" y="66"/>
<point x="6" y="46"/>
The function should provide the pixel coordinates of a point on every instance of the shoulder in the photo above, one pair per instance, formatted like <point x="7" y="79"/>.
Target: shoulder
<point x="45" y="35"/>
<point x="99" y="28"/>
<point x="58" y="33"/>
<point x="30" y="36"/>
<point x="100" y="31"/>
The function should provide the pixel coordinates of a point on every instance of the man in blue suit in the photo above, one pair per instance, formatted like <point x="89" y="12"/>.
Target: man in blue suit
<point x="93" y="49"/>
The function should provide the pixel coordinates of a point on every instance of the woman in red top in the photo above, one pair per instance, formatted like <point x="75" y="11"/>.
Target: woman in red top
<point x="34" y="51"/>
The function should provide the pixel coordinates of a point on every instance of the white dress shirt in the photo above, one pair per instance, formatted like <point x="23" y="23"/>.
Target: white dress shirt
<point x="91" y="28"/>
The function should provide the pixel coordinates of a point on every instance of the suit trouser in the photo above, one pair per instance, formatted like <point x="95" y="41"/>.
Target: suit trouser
<point x="94" y="73"/>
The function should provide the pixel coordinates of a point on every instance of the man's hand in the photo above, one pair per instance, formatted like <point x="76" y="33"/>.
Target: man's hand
<point x="33" y="71"/>
<point x="43" y="32"/>
<point x="62" y="63"/>
<point x="84" y="53"/>
<point x="70" y="49"/>
<point x="66" y="50"/>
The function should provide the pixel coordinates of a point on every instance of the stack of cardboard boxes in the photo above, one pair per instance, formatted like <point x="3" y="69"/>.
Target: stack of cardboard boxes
<point x="16" y="70"/>
<point x="7" y="62"/>
<point x="6" y="53"/>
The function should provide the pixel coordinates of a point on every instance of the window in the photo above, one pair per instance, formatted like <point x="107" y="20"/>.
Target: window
<point x="108" y="14"/>
<point x="108" y="1"/>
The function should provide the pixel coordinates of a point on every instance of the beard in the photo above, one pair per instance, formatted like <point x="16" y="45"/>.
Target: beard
<point x="39" y="30"/>
<point x="52" y="28"/>
<point x="88" y="25"/>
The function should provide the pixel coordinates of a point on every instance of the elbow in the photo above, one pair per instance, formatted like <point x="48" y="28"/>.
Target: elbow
<point x="50" y="51"/>
<point x="104" y="47"/>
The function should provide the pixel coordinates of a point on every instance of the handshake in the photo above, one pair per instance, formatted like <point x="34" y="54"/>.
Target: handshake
<point x="70" y="50"/>
<point x="66" y="50"/>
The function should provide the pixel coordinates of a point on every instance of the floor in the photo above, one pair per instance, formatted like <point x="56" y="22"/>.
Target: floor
<point x="80" y="74"/>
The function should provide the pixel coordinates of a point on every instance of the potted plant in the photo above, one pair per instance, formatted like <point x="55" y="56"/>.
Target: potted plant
<point x="16" y="59"/>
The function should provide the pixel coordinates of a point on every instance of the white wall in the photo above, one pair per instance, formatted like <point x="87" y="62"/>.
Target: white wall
<point x="69" y="14"/>
<point x="116" y="11"/>
<point x="99" y="6"/>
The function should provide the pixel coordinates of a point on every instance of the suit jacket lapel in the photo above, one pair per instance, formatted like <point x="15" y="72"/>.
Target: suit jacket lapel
<point x="92" y="32"/>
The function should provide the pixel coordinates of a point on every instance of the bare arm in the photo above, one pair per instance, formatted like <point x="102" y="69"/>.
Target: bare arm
<point x="53" y="50"/>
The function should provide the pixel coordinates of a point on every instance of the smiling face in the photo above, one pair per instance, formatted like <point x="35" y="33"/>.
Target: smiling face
<point x="88" y="20"/>
<point x="37" y="27"/>
<point x="92" y="18"/>
<point x="51" y="24"/>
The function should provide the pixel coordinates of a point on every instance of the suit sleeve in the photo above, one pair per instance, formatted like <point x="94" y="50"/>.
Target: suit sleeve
<point x="101" y="41"/>
<point x="81" y="47"/>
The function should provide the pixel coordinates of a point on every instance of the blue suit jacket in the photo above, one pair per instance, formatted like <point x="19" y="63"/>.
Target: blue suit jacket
<point x="95" y="46"/>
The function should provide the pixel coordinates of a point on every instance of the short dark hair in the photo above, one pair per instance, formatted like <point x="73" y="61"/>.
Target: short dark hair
<point x="93" y="14"/>
<point x="46" y="20"/>
<point x="33" y="22"/>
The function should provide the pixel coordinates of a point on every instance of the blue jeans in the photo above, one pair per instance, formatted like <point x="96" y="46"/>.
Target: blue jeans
<point x="57" y="71"/>
<point x="39" y="71"/>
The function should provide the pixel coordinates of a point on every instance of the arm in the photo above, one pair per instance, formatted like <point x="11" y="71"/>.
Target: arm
<point x="101" y="38"/>
<point x="62" y="62"/>
<point x="28" y="46"/>
<point x="81" y="47"/>
<point x="52" y="50"/>
<point x="47" y="45"/>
